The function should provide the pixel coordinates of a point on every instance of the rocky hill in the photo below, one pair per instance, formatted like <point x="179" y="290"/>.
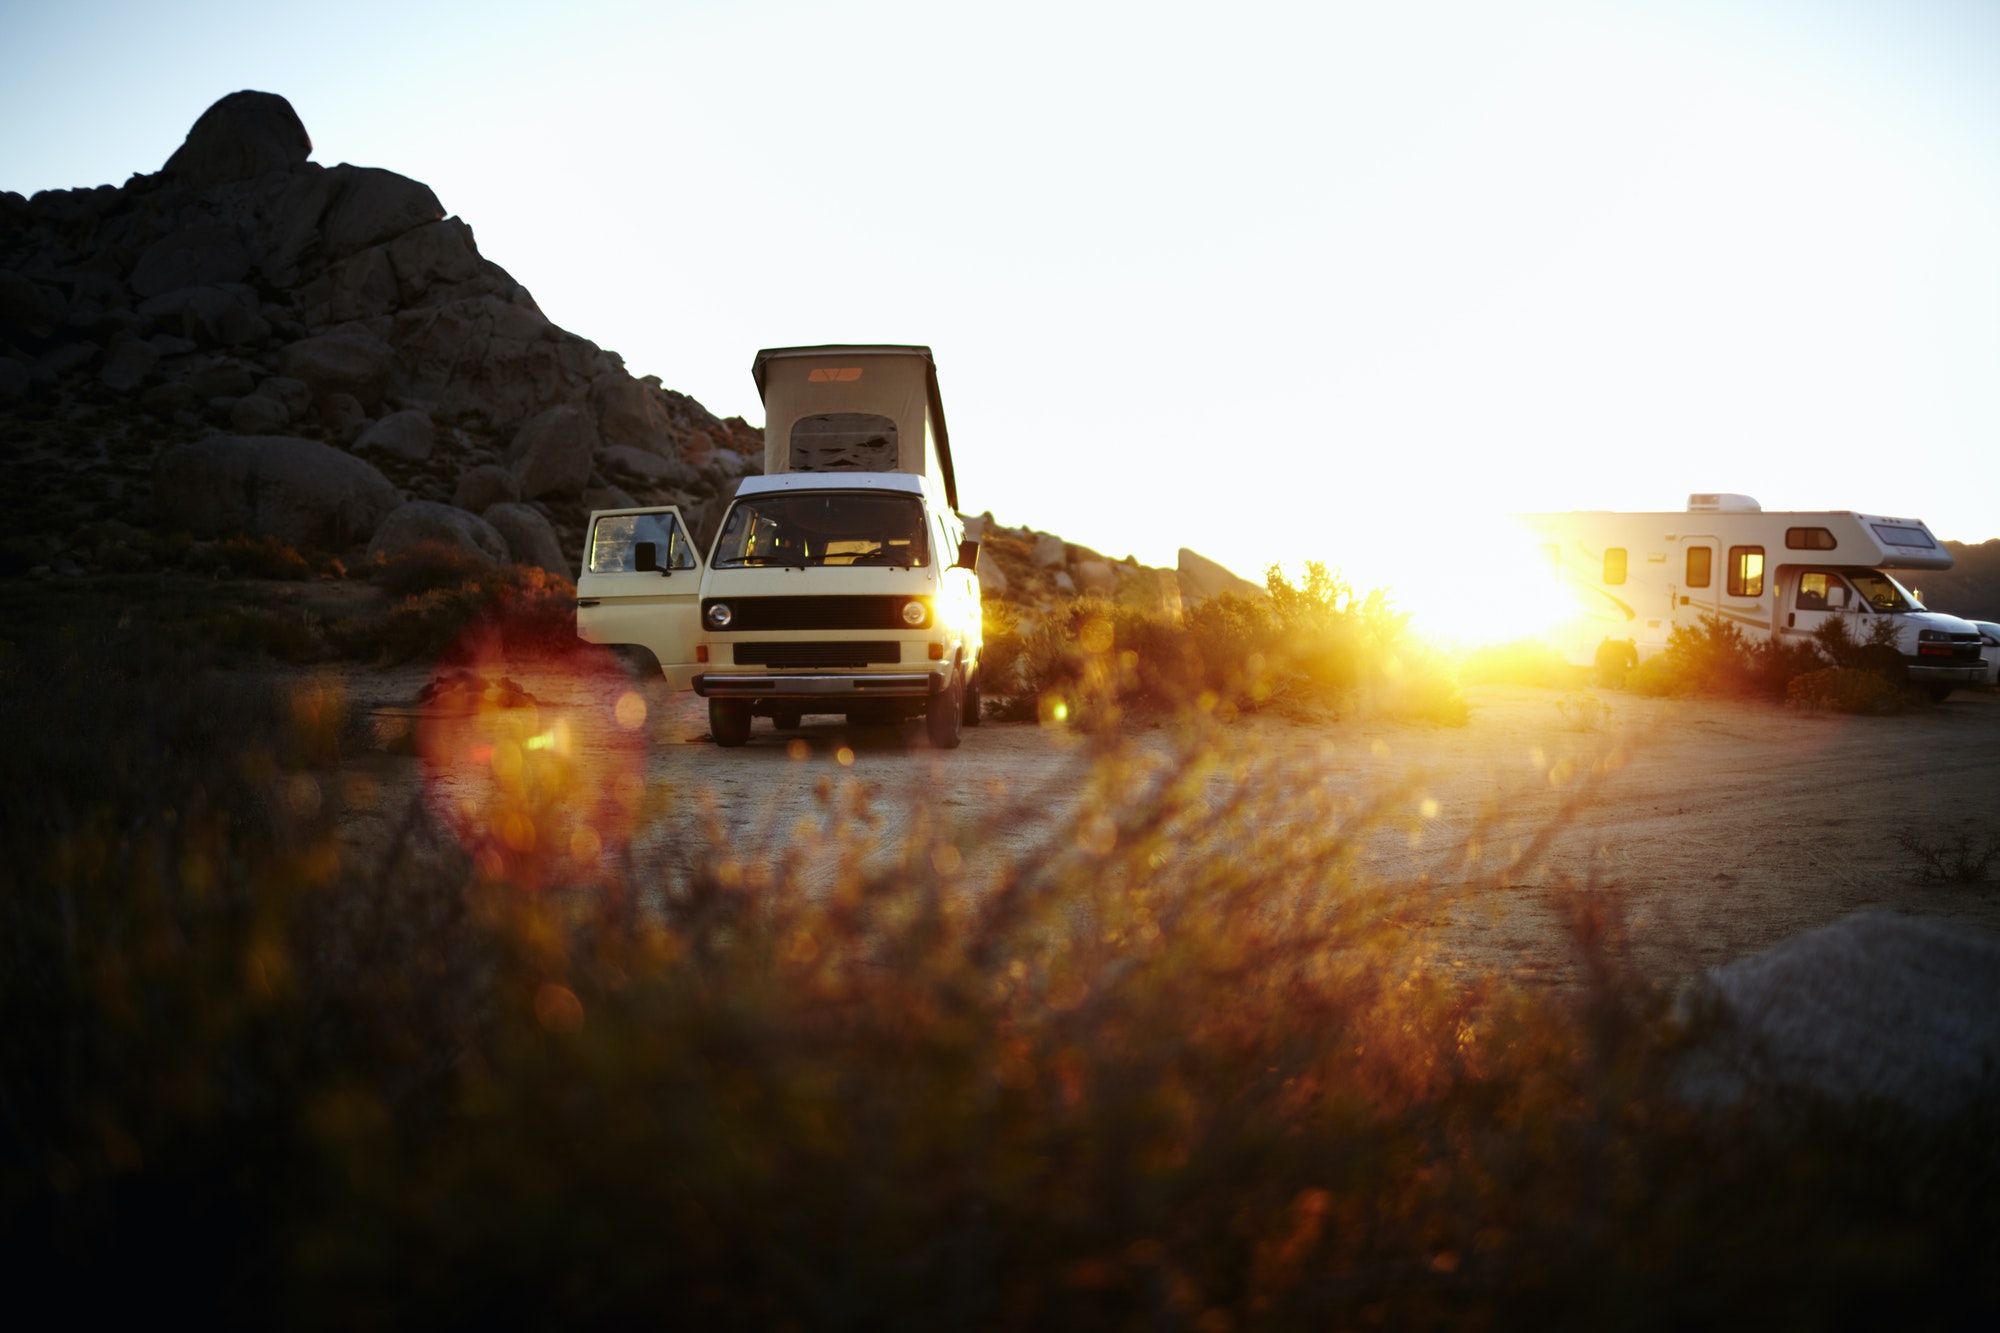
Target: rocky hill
<point x="245" y="341"/>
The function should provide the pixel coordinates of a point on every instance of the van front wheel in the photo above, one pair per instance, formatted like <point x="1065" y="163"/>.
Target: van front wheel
<point x="943" y="716"/>
<point x="729" y="721"/>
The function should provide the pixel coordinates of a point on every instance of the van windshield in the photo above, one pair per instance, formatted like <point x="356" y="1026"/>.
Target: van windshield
<point x="824" y="528"/>
<point x="1883" y="593"/>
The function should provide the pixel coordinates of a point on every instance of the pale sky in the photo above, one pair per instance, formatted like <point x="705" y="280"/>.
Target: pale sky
<point x="1276" y="282"/>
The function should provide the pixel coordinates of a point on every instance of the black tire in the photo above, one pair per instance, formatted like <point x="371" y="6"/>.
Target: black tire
<point x="945" y="715"/>
<point x="970" y="714"/>
<point x="729" y="721"/>
<point x="787" y="720"/>
<point x="1939" y="693"/>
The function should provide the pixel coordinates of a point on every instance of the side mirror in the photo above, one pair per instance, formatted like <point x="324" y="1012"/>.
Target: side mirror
<point x="1836" y="599"/>
<point x="968" y="555"/>
<point x="646" y="558"/>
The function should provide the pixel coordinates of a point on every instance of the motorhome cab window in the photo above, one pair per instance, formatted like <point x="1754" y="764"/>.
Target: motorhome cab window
<point x="1809" y="539"/>
<point x="1883" y="593"/>
<point x="1820" y="591"/>
<point x="613" y="539"/>
<point x="824" y="528"/>
<point x="844" y="442"/>
<point x="1746" y="571"/>
<point x="1893" y="534"/>
<point x="1614" y="564"/>
<point x="1701" y="566"/>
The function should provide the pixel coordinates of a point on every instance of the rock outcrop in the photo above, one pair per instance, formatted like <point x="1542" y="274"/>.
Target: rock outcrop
<point x="245" y="291"/>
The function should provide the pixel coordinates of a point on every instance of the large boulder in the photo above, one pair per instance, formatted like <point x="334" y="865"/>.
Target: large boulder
<point x="300" y="491"/>
<point x="371" y="206"/>
<point x="408" y="434"/>
<point x="439" y="252"/>
<point x="191" y="257"/>
<point x="347" y="360"/>
<point x="1049" y="552"/>
<point x="651" y="468"/>
<point x="531" y="538"/>
<point x="551" y="452"/>
<point x="486" y="485"/>
<point x="422" y="521"/>
<point x="1877" y="1008"/>
<point x="1202" y="578"/>
<point x="629" y="416"/>
<point x="245" y="134"/>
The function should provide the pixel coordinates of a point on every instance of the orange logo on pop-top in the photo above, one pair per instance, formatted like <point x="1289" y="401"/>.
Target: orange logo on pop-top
<point x="833" y="374"/>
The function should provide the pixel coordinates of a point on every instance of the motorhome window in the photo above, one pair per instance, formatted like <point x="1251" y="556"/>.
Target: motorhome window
<point x="1746" y="571"/>
<point x="844" y="442"/>
<point x="1896" y="535"/>
<point x="1813" y="589"/>
<point x="1883" y="593"/>
<point x="824" y="528"/>
<point x="1614" y="564"/>
<point x="1809" y="539"/>
<point x="614" y="536"/>
<point x="1701" y="566"/>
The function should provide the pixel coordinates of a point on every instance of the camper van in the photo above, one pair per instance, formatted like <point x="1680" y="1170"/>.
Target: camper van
<point x="1631" y="578"/>
<point x="840" y="581"/>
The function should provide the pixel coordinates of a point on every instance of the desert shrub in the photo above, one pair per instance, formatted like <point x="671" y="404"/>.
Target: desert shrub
<point x="262" y="558"/>
<point x="1962" y="858"/>
<point x="521" y="607"/>
<point x="1656" y="676"/>
<point x="1845" y="690"/>
<point x="1184" y="1064"/>
<point x="1581" y="711"/>
<point x="1001" y="652"/>
<point x="1716" y="657"/>
<point x="1874" y="650"/>
<point x="1310" y="647"/>
<point x="427" y="567"/>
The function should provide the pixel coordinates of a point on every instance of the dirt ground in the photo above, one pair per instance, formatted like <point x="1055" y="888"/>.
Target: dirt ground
<point x="1713" y="829"/>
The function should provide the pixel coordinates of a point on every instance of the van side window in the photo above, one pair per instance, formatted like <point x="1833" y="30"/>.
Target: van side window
<point x="612" y="540"/>
<point x="1809" y="539"/>
<point x="1701" y="562"/>
<point x="1746" y="571"/>
<point x="1614" y="564"/>
<point x="844" y="442"/>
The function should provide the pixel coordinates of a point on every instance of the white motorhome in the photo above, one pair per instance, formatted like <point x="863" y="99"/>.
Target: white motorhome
<point x="840" y="581"/>
<point x="1630" y="579"/>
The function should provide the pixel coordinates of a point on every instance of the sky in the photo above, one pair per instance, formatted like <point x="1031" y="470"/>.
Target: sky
<point x="1277" y="282"/>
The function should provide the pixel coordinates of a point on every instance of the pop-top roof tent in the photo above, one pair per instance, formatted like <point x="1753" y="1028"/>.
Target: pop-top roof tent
<point x="854" y="408"/>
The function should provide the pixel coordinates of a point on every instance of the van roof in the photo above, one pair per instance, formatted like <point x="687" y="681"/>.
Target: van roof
<point x="911" y="482"/>
<point x="759" y="371"/>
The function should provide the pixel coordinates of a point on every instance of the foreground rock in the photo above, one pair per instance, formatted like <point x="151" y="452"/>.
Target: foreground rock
<point x="1879" y="1008"/>
<point x="302" y="492"/>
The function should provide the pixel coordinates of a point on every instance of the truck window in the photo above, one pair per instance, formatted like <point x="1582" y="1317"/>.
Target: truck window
<point x="844" y="442"/>
<point x="824" y="528"/>
<point x="1885" y="594"/>
<point x="1809" y="539"/>
<point x="1701" y="566"/>
<point x="1614" y="564"/>
<point x="1746" y="571"/>
<point x="1813" y="585"/>
<point x="612" y="540"/>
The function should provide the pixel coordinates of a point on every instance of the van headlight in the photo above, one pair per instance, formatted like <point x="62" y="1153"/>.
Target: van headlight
<point x="719" y="615"/>
<point x="916" y="613"/>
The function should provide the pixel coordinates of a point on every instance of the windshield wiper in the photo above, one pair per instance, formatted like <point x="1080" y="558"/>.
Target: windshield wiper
<point x="796" y="562"/>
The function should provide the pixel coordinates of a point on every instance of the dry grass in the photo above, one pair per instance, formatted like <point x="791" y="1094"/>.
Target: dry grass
<point x="1188" y="1065"/>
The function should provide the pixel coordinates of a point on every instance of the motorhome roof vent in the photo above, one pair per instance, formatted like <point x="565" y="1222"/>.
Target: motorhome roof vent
<point x="1714" y="502"/>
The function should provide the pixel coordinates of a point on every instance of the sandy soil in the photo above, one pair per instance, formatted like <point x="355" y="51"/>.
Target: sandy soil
<point x="1714" y="829"/>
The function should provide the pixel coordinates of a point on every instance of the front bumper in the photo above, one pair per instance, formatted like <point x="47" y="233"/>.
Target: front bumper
<point x="832" y="685"/>
<point x="1923" y="673"/>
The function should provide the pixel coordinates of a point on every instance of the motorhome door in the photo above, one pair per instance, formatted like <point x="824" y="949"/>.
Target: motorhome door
<point x="641" y="584"/>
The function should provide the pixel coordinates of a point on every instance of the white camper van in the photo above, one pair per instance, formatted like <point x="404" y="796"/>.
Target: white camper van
<point x="1631" y="578"/>
<point x="840" y="580"/>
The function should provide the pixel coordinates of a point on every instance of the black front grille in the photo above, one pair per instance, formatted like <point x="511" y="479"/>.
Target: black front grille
<point x="768" y="613"/>
<point x="818" y="654"/>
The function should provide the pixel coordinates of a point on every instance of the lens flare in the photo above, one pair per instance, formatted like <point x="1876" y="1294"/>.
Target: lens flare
<point x="535" y="762"/>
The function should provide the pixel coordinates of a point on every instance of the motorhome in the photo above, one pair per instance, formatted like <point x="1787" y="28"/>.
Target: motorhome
<point x="840" y="581"/>
<point x="1630" y="579"/>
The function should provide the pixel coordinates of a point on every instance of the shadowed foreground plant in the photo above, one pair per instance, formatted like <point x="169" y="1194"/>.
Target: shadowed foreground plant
<point x="1189" y="1065"/>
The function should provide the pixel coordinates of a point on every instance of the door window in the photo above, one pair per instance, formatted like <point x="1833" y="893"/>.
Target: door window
<point x="1746" y="571"/>
<point x="614" y="537"/>
<point x="1614" y="564"/>
<point x="1701" y="566"/>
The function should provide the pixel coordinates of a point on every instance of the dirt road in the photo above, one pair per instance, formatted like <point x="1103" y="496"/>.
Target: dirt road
<point x="1715" y="828"/>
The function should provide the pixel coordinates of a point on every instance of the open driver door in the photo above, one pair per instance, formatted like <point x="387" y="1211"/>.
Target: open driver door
<point x="641" y="584"/>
